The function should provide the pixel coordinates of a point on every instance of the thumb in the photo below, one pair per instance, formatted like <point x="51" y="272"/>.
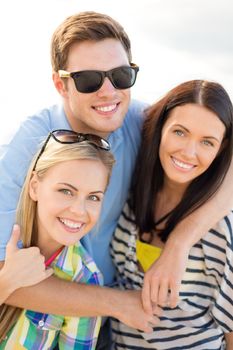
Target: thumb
<point x="12" y="243"/>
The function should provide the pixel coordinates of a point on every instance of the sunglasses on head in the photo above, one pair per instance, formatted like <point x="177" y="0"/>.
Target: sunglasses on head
<point x="87" y="81"/>
<point x="70" y="136"/>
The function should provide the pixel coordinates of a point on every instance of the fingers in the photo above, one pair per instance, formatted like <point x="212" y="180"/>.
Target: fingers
<point x="157" y="310"/>
<point x="174" y="294"/>
<point x="159" y="292"/>
<point x="150" y="323"/>
<point x="12" y="243"/>
<point x="146" y="297"/>
<point x="154" y="289"/>
<point x="163" y="293"/>
<point x="35" y="273"/>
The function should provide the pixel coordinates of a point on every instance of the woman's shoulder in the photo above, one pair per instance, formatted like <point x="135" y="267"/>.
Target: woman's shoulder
<point x="224" y="229"/>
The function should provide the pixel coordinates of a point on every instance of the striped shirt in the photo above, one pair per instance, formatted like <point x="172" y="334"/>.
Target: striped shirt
<point x="38" y="331"/>
<point x="205" y="310"/>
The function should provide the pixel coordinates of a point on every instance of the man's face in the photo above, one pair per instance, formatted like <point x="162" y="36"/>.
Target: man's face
<point x="103" y="111"/>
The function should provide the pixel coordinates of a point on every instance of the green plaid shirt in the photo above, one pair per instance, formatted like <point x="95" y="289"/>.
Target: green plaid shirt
<point x="38" y="331"/>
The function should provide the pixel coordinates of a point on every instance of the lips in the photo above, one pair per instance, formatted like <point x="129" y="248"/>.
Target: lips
<point x="70" y="225"/>
<point x="182" y="165"/>
<point x="106" y="109"/>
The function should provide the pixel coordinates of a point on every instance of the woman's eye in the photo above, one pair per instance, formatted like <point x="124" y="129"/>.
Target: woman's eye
<point x="94" y="198"/>
<point x="207" y="143"/>
<point x="179" y="132"/>
<point x="66" y="191"/>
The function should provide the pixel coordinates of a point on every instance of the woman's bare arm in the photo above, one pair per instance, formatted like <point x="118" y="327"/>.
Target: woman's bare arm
<point x="229" y="340"/>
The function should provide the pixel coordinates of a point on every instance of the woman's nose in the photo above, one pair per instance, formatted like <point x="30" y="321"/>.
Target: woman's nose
<point x="190" y="148"/>
<point x="78" y="207"/>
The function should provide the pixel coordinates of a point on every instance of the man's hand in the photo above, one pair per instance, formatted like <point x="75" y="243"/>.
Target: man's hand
<point x="22" y="267"/>
<point x="130" y="311"/>
<point x="162" y="281"/>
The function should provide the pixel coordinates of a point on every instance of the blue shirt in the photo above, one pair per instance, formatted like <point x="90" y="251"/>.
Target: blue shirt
<point x="16" y="157"/>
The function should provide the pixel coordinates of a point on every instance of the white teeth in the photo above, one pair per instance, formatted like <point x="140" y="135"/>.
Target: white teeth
<point x="106" y="108"/>
<point x="71" y="224"/>
<point x="181" y="164"/>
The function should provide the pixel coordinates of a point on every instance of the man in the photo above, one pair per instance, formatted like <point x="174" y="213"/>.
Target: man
<point x="99" y="103"/>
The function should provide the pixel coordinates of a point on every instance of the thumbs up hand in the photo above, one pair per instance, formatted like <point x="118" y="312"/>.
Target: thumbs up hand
<point x="22" y="267"/>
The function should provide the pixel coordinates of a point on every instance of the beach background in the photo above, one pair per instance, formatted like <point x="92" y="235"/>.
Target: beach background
<point x="172" y="41"/>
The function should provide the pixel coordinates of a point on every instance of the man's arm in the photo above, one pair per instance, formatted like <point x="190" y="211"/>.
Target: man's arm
<point x="15" y="158"/>
<point x="61" y="297"/>
<point x="166" y="273"/>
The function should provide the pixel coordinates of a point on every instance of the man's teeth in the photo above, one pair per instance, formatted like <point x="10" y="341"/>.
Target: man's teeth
<point x="71" y="224"/>
<point x="106" y="108"/>
<point x="182" y="165"/>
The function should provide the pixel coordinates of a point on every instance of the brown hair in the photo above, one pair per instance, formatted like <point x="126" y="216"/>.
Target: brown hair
<point x="85" y="26"/>
<point x="149" y="174"/>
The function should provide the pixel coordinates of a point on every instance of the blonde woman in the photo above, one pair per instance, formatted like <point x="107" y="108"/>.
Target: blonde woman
<point x="60" y="202"/>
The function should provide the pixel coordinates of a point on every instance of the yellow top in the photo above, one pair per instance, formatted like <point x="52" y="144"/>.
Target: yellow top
<point x="147" y="254"/>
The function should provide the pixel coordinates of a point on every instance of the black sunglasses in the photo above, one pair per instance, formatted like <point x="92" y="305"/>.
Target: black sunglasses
<point x="88" y="81"/>
<point x="69" y="136"/>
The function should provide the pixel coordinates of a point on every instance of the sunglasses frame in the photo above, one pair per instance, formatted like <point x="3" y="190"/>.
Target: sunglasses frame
<point x="104" y="74"/>
<point x="80" y="138"/>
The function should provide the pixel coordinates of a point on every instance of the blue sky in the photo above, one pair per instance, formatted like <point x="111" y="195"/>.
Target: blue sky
<point x="172" y="41"/>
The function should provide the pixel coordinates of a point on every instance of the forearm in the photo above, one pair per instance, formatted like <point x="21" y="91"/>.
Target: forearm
<point x="61" y="297"/>
<point x="195" y="226"/>
<point x="229" y="340"/>
<point x="56" y="296"/>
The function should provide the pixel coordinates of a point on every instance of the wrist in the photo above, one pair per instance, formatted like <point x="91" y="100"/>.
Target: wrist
<point x="7" y="286"/>
<point x="115" y="303"/>
<point x="187" y="233"/>
<point x="176" y="244"/>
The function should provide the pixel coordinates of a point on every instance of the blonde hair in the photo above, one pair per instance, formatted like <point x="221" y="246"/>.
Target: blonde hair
<point x="53" y="154"/>
<point x="85" y="26"/>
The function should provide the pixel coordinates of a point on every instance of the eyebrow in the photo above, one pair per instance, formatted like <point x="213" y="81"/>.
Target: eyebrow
<point x="76" y="189"/>
<point x="205" y="137"/>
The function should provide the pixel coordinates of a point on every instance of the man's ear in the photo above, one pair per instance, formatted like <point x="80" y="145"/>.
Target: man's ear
<point x="33" y="187"/>
<point x="59" y="84"/>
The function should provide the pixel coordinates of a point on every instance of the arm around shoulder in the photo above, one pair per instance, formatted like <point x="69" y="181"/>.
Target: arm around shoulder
<point x="164" y="275"/>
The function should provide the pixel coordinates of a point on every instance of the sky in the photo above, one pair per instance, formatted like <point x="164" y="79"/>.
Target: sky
<point x="172" y="41"/>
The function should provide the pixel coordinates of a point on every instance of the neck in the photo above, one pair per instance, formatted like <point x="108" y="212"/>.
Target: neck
<point x="168" y="198"/>
<point x="48" y="248"/>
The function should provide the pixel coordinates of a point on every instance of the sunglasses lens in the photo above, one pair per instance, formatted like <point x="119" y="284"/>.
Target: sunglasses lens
<point x="123" y="77"/>
<point x="88" y="81"/>
<point x="69" y="136"/>
<point x="98" y="141"/>
<point x="65" y="136"/>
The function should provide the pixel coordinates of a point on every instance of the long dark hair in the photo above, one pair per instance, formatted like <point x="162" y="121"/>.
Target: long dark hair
<point x="149" y="174"/>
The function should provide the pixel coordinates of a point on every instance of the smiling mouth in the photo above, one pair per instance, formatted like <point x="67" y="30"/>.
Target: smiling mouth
<point x="182" y="165"/>
<point x="107" y="109"/>
<point x="71" y="225"/>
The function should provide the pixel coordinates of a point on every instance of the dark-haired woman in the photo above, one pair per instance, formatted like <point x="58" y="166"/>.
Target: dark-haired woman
<point x="185" y="154"/>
